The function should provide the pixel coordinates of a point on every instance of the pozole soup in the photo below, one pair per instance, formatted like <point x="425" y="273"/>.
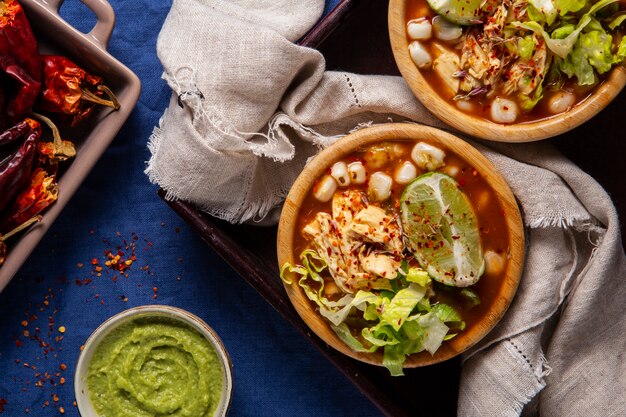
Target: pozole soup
<point x="400" y="246"/>
<point x="515" y="60"/>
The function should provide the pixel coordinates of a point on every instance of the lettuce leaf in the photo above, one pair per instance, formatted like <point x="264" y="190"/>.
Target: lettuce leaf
<point x="592" y="51"/>
<point x="446" y="313"/>
<point x="526" y="47"/>
<point x="565" y="6"/>
<point x="435" y="331"/>
<point x="621" y="50"/>
<point x="418" y="276"/>
<point x="343" y="332"/>
<point x="597" y="46"/>
<point x="617" y="21"/>
<point x="546" y="8"/>
<point x="471" y="296"/>
<point x="528" y="102"/>
<point x="396" y="311"/>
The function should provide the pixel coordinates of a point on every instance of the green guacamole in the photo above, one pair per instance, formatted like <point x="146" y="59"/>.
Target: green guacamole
<point x="155" y="366"/>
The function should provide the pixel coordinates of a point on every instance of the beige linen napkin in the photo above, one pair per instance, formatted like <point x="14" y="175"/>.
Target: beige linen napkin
<point x="235" y="71"/>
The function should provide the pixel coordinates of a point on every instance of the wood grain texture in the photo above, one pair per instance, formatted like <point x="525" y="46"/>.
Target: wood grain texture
<point x="402" y="132"/>
<point x="482" y="128"/>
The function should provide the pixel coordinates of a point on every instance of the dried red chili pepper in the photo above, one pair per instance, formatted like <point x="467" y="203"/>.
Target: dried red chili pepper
<point x="19" y="58"/>
<point x="42" y="191"/>
<point x="70" y="90"/>
<point x="3" y="116"/>
<point x="59" y="150"/>
<point x="3" y="238"/>
<point x="14" y="133"/>
<point x="15" y="170"/>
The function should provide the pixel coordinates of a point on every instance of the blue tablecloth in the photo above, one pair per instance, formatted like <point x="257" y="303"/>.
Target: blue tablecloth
<point x="59" y="297"/>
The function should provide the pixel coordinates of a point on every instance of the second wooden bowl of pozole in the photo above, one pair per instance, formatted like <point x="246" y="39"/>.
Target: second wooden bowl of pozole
<point x="495" y="73"/>
<point x="400" y="245"/>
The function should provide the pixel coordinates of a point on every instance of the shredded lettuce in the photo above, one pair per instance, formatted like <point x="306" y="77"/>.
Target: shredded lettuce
<point x="528" y="102"/>
<point x="526" y="47"/>
<point x="446" y="313"/>
<point x="617" y="21"/>
<point x="401" y="322"/>
<point x="471" y="296"/>
<point x="563" y="46"/>
<point x="343" y="332"/>
<point x="621" y="49"/>
<point x="592" y="51"/>
<point x="546" y="8"/>
<point x="565" y="6"/>
<point x="418" y="276"/>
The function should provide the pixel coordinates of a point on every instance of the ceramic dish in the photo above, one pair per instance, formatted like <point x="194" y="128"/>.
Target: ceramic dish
<point x="81" y="388"/>
<point x="504" y="289"/>
<point x="482" y="128"/>
<point x="89" y="51"/>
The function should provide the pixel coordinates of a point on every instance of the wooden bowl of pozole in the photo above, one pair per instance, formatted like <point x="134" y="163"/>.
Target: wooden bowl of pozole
<point x="506" y="74"/>
<point x="400" y="245"/>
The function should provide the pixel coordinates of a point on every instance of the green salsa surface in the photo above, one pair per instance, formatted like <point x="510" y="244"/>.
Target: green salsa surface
<point x="155" y="366"/>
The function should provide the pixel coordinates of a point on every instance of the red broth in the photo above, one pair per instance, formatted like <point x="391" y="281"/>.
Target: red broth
<point x="493" y="231"/>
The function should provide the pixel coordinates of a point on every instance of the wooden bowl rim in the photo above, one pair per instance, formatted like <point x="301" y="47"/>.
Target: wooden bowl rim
<point x="483" y="128"/>
<point x="402" y="132"/>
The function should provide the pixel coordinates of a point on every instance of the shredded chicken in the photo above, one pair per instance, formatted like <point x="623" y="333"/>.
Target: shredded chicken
<point x="361" y="243"/>
<point x="447" y="65"/>
<point x="525" y="76"/>
<point x="488" y="66"/>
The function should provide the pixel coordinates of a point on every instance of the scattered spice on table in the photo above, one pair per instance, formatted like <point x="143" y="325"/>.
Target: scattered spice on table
<point x="41" y="326"/>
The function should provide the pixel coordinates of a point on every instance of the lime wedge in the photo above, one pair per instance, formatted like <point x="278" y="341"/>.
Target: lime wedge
<point x="441" y="229"/>
<point x="461" y="12"/>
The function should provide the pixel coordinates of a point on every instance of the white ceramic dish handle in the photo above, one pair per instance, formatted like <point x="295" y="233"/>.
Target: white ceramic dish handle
<point x="101" y="32"/>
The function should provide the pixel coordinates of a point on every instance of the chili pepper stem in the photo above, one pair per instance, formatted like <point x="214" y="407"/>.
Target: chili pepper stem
<point x="58" y="141"/>
<point x="19" y="228"/>
<point x="112" y="102"/>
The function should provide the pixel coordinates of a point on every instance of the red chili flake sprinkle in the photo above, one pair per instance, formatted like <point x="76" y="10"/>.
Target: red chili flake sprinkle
<point x="62" y="381"/>
<point x="24" y="323"/>
<point x="3" y="402"/>
<point x="61" y="410"/>
<point x="63" y="366"/>
<point x="94" y="261"/>
<point x="55" y="398"/>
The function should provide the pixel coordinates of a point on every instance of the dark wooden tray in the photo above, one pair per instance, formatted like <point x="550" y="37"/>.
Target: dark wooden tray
<point x="354" y="37"/>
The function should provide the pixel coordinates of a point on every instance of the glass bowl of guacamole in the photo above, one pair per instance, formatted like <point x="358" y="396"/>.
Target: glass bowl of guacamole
<point x="153" y="360"/>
